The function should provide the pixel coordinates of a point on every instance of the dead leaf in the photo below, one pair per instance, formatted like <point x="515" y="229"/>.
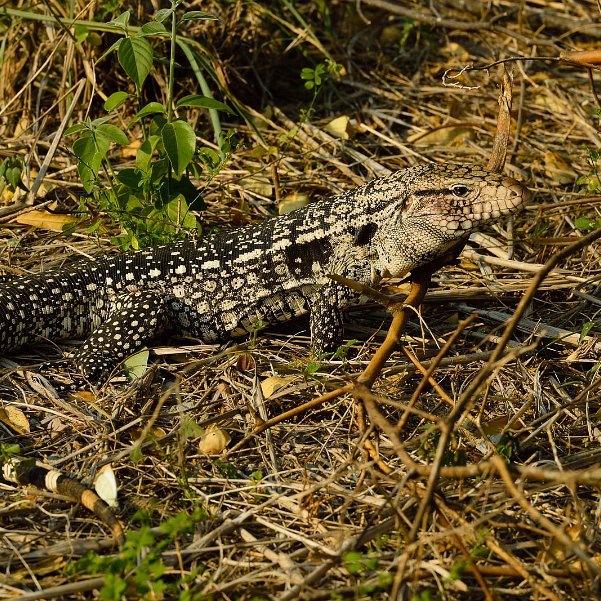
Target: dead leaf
<point x="43" y="189"/>
<point x="557" y="169"/>
<point x="456" y="52"/>
<point x="21" y="127"/>
<point x="85" y="395"/>
<point x="262" y="123"/>
<point x="553" y="103"/>
<point x="468" y="265"/>
<point x="442" y="136"/>
<point x="214" y="441"/>
<point x="131" y="150"/>
<point x="57" y="425"/>
<point x="340" y="128"/>
<point x="6" y="196"/>
<point x="274" y="383"/>
<point x="137" y="365"/>
<point x="557" y="550"/>
<point x="45" y="221"/>
<point x="155" y="432"/>
<point x="245" y="362"/>
<point x="391" y="34"/>
<point x="404" y="288"/>
<point x="293" y="201"/>
<point x="15" y="419"/>
<point x="259" y="185"/>
<point x="105" y="485"/>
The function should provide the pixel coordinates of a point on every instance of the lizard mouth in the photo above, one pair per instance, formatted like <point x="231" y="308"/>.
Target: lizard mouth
<point x="521" y="193"/>
<point x="495" y="202"/>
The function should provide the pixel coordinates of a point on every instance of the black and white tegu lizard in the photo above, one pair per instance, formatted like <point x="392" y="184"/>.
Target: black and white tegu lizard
<point x="218" y="287"/>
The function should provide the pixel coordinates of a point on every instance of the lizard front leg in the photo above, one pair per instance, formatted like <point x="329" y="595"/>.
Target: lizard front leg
<point x="325" y="319"/>
<point x="326" y="305"/>
<point x="136" y="318"/>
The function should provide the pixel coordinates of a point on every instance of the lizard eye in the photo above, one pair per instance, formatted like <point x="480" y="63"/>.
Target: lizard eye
<point x="460" y="190"/>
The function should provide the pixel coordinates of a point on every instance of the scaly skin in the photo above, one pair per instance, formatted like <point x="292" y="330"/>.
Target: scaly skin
<point x="219" y="287"/>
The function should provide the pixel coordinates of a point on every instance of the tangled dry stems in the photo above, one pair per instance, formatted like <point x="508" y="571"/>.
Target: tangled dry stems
<point x="403" y="477"/>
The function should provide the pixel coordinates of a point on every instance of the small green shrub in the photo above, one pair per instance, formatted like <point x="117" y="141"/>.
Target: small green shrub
<point x="11" y="174"/>
<point x="315" y="79"/>
<point x="138" y="570"/>
<point x="153" y="200"/>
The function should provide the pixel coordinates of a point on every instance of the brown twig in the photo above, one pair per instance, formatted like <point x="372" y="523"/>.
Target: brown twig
<point x="427" y="374"/>
<point x="498" y="153"/>
<point x="501" y="468"/>
<point x="370" y="450"/>
<point x="420" y="280"/>
<point x="364" y="290"/>
<point x="290" y="414"/>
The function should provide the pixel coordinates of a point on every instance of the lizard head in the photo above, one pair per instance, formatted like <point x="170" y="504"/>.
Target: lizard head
<point x="458" y="200"/>
<point x="441" y="205"/>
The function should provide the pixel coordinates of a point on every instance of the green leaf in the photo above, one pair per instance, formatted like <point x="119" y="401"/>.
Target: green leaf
<point x="158" y="170"/>
<point x="189" y="191"/>
<point x="74" y="129"/>
<point x="144" y="154"/>
<point x="203" y="102"/>
<point x="137" y="365"/>
<point x="152" y="28"/>
<point x="150" y="109"/>
<point x="113" y="133"/>
<point x="84" y="148"/>
<point x="90" y="151"/>
<point x="586" y="224"/>
<point x="114" y="100"/>
<point x="179" y="141"/>
<point x="13" y="177"/>
<point x="121" y="21"/>
<point x="135" y="56"/>
<point x="355" y="562"/>
<point x="11" y="170"/>
<point x="209" y="157"/>
<point x="174" y="210"/>
<point x="114" y="587"/>
<point x="156" y="125"/>
<point x="114" y="46"/>
<point x="136" y="454"/>
<point x="352" y="561"/>
<point x="190" y="429"/>
<point x="129" y="177"/>
<point x="586" y="328"/>
<point x="94" y="226"/>
<point x="8" y="450"/>
<point x="100" y="121"/>
<point x="163" y="14"/>
<point x="198" y="15"/>
<point x="81" y="32"/>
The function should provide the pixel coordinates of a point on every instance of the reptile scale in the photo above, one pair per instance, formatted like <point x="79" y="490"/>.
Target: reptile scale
<point x="217" y="287"/>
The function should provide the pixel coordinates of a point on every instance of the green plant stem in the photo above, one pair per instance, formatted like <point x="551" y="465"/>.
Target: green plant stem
<point x="172" y="63"/>
<point x="206" y="90"/>
<point x="183" y="43"/>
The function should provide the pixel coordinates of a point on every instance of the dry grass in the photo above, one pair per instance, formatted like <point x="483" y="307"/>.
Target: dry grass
<point x="281" y="513"/>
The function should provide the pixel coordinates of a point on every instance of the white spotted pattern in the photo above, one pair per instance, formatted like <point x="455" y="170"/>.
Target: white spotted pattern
<point x="223" y="285"/>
